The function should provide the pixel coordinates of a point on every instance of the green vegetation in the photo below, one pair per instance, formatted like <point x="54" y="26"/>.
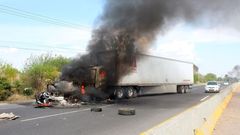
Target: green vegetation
<point x="41" y="70"/>
<point x="8" y="78"/>
<point x="199" y="78"/>
<point x="5" y="89"/>
<point x="210" y="77"/>
<point x="38" y="71"/>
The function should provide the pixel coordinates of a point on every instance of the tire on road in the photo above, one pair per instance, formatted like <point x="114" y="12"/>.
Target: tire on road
<point x="96" y="109"/>
<point x="126" y="111"/>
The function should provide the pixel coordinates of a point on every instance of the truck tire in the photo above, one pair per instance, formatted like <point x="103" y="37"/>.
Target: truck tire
<point x="96" y="109"/>
<point x="130" y="92"/>
<point x="119" y="93"/>
<point x="135" y="93"/>
<point x="126" y="111"/>
<point x="139" y="92"/>
<point x="180" y="89"/>
<point x="186" y="89"/>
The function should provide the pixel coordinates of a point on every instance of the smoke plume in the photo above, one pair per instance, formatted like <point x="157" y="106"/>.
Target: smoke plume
<point x="235" y="73"/>
<point x="129" y="26"/>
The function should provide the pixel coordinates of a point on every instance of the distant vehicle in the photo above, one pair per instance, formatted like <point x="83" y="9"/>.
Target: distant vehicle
<point x="226" y="83"/>
<point x="212" y="86"/>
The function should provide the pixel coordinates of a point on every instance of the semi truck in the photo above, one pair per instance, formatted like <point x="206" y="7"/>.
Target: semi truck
<point x="145" y="71"/>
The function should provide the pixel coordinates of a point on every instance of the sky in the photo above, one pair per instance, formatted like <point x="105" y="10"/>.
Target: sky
<point x="212" y="49"/>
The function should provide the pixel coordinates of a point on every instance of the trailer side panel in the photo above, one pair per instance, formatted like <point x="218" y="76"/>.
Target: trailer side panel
<point x="156" y="71"/>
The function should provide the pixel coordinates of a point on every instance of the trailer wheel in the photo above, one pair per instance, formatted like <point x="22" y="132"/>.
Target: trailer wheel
<point x="119" y="93"/>
<point x="186" y="89"/>
<point x="135" y="94"/>
<point x="130" y="92"/>
<point x="180" y="89"/>
<point x="126" y="111"/>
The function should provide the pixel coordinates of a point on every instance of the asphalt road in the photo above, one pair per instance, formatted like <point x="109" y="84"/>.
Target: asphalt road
<point x="150" y="111"/>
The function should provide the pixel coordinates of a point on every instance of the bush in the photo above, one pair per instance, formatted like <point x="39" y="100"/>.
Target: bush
<point x="5" y="89"/>
<point x="4" y="94"/>
<point x="4" y="84"/>
<point x="28" y="91"/>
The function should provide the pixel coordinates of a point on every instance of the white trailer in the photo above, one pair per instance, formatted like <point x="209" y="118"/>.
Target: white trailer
<point x="167" y="74"/>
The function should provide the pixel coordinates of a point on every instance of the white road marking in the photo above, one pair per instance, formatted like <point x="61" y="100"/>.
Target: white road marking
<point x="58" y="114"/>
<point x="204" y="98"/>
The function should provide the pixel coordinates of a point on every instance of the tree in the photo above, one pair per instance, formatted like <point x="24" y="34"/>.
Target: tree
<point x="40" y="69"/>
<point x="210" y="77"/>
<point x="8" y="76"/>
<point x="5" y="89"/>
<point x="9" y="72"/>
<point x="219" y="79"/>
<point x="198" y="78"/>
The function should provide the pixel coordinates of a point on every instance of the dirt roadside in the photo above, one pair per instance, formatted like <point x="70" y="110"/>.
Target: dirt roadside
<point x="229" y="122"/>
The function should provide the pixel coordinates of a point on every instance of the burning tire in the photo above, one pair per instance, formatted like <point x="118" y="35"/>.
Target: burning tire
<point x="96" y="109"/>
<point x="126" y="111"/>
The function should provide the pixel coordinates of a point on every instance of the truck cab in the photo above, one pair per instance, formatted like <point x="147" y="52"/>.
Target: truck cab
<point x="98" y="76"/>
<point x="93" y="89"/>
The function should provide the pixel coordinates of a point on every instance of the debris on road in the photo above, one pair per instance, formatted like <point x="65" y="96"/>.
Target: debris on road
<point x="8" y="116"/>
<point x="84" y="103"/>
<point x="43" y="105"/>
<point x="45" y="99"/>
<point x="126" y="111"/>
<point x="96" y="109"/>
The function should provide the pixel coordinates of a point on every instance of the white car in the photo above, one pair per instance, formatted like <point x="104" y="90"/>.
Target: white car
<point x="226" y="83"/>
<point x="212" y="86"/>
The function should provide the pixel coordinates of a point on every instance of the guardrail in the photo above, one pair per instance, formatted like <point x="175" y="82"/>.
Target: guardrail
<point x="197" y="120"/>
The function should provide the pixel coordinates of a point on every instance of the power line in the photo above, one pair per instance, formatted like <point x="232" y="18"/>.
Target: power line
<point x="37" y="49"/>
<point x="22" y="48"/>
<point x="38" y="17"/>
<point x="39" y="45"/>
<point x="43" y="16"/>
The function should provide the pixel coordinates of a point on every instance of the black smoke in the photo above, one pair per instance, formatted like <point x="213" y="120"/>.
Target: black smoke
<point x="129" y="26"/>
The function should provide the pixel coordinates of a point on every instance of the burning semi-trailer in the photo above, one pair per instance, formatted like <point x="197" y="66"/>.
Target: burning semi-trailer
<point x="145" y="71"/>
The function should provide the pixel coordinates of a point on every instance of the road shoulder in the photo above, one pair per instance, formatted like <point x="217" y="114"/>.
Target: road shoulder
<point x="229" y="122"/>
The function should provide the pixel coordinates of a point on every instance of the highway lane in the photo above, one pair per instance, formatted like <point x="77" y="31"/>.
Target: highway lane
<point x="150" y="111"/>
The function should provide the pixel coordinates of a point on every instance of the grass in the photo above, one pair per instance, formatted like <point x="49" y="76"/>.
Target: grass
<point x="17" y="98"/>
